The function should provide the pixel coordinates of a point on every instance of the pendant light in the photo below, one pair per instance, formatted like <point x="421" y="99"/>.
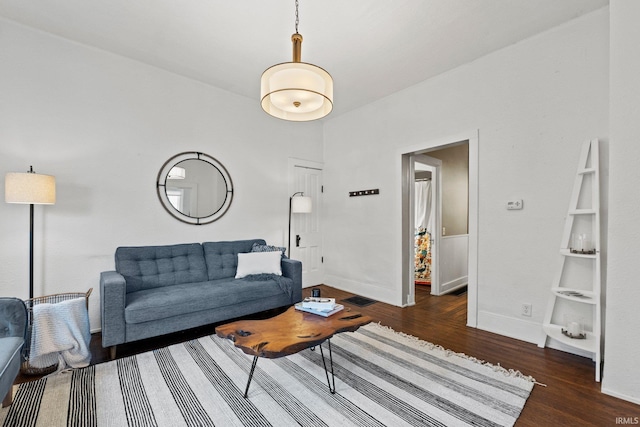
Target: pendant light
<point x="296" y="91"/>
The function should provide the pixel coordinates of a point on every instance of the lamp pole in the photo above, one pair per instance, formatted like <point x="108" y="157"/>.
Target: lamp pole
<point x="30" y="251"/>
<point x="289" y="235"/>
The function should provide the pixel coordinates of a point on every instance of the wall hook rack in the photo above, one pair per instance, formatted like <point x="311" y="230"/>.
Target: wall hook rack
<point x="364" y="192"/>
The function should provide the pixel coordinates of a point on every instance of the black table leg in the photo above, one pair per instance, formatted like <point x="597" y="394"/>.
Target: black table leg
<point x="253" y="368"/>
<point x="332" y="383"/>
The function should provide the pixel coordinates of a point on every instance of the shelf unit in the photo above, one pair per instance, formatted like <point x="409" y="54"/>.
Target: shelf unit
<point x="576" y="290"/>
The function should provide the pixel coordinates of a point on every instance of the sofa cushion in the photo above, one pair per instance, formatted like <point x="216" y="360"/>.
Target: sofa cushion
<point x="222" y="257"/>
<point x="153" y="304"/>
<point x="268" y="248"/>
<point x="258" y="263"/>
<point x="147" y="267"/>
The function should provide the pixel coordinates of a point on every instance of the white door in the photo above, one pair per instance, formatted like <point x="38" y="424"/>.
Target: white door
<point x="306" y="237"/>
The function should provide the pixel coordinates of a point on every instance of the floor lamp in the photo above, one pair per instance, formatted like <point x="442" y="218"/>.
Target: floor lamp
<point x="298" y="203"/>
<point x="32" y="189"/>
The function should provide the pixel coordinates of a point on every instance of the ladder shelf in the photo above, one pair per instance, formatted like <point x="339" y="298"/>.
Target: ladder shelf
<point x="582" y="212"/>
<point x="589" y="344"/>
<point x="567" y="252"/>
<point x="578" y="295"/>
<point x="572" y="306"/>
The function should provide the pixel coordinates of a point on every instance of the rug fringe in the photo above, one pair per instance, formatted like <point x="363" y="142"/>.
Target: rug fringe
<point x="496" y="368"/>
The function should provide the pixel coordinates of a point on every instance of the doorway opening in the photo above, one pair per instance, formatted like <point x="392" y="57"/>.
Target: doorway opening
<point x="453" y="243"/>
<point x="451" y="206"/>
<point x="427" y="219"/>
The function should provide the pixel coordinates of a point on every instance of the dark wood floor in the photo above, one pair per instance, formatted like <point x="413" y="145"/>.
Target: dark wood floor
<point x="571" y="396"/>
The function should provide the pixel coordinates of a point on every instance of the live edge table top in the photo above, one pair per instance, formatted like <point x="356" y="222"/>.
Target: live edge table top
<point x="289" y="332"/>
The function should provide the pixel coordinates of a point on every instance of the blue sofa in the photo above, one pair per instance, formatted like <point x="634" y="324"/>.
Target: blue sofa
<point x="156" y="290"/>
<point x="13" y="329"/>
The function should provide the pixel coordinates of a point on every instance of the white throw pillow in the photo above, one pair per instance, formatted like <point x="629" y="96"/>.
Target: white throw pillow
<point x="258" y="263"/>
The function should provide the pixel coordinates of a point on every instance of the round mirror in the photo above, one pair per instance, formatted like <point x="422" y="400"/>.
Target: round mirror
<point x="195" y="188"/>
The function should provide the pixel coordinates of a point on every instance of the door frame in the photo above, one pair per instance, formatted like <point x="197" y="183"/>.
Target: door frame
<point x="436" y="201"/>
<point x="405" y="255"/>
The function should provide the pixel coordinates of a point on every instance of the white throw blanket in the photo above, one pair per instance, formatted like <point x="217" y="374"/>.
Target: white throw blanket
<point x="61" y="335"/>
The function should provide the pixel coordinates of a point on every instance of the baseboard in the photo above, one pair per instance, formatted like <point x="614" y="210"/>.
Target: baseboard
<point x="452" y="285"/>
<point x="622" y="396"/>
<point x="522" y="330"/>
<point x="378" y="293"/>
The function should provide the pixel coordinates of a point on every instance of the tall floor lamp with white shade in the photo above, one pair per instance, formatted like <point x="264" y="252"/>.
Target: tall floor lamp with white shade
<point x="32" y="189"/>
<point x="298" y="203"/>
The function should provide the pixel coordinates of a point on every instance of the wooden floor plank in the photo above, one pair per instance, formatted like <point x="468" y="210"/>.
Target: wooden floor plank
<point x="571" y="396"/>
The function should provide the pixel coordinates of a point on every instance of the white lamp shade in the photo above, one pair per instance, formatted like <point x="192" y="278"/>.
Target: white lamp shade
<point x="30" y="188"/>
<point x="296" y="91"/>
<point x="301" y="204"/>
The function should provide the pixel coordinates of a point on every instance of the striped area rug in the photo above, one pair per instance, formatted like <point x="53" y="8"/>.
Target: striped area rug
<point x="383" y="378"/>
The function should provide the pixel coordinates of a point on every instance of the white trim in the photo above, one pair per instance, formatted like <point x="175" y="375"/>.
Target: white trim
<point x="454" y="284"/>
<point x="473" y="138"/>
<point x="610" y="392"/>
<point x="474" y="198"/>
<point x="508" y="326"/>
<point x="523" y="330"/>
<point x="380" y="293"/>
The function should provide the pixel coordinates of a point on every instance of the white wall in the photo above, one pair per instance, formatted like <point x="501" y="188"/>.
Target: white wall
<point x="454" y="262"/>
<point x="104" y="125"/>
<point x="534" y="104"/>
<point x="621" y="375"/>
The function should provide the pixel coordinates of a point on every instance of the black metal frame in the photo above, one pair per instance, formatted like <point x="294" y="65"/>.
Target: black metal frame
<point x="331" y="383"/>
<point x="161" y="187"/>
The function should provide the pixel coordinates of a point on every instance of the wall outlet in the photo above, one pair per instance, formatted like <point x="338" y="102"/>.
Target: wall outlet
<point x="526" y="310"/>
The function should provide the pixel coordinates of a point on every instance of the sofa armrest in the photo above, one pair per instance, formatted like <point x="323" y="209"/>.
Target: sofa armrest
<point x="113" y="295"/>
<point x="13" y="318"/>
<point x="292" y="269"/>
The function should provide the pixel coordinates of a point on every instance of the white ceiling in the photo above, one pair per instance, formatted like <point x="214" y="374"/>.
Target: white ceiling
<point x="372" y="48"/>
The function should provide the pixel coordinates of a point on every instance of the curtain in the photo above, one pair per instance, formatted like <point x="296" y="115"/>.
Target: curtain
<point x="422" y="204"/>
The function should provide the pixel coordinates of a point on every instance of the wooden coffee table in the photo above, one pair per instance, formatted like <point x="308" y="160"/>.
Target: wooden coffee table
<point x="288" y="333"/>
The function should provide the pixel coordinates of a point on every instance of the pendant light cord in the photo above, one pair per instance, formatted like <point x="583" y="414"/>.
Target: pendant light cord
<point x="297" y="18"/>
